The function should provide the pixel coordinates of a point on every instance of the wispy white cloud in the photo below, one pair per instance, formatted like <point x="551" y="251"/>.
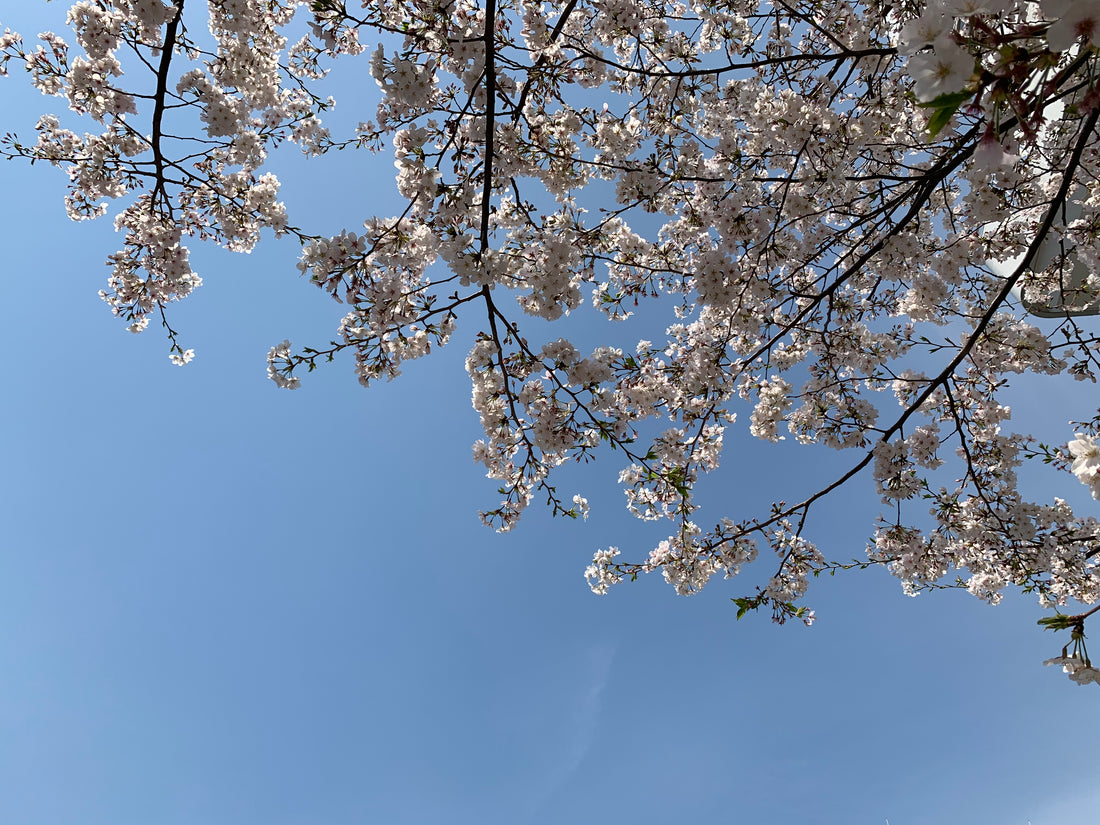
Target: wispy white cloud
<point x="1077" y="805"/>
<point x="583" y="720"/>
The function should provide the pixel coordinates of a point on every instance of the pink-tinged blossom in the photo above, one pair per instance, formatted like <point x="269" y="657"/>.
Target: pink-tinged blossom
<point x="1073" y="20"/>
<point x="923" y="31"/>
<point x="991" y="153"/>
<point x="947" y="68"/>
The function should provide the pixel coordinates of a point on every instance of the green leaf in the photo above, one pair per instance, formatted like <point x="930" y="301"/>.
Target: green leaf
<point x="744" y="606"/>
<point x="940" y="118"/>
<point x="952" y="100"/>
<point x="945" y="105"/>
<point x="1058" y="622"/>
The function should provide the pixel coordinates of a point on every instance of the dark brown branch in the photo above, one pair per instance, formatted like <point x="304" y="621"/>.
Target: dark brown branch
<point x="490" y="119"/>
<point x="522" y="100"/>
<point x="837" y="57"/>
<point x="162" y="94"/>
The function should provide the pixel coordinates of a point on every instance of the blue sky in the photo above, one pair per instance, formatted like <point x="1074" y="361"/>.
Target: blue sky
<point x="225" y="604"/>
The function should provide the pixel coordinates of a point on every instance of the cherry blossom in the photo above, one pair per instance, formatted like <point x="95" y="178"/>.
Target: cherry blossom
<point x="835" y="208"/>
<point x="1086" y="462"/>
<point x="1073" y="20"/>
<point x="1078" y="671"/>
<point x="946" y="68"/>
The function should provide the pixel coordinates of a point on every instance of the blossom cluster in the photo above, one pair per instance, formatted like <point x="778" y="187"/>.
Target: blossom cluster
<point x="1077" y="669"/>
<point x="998" y="58"/>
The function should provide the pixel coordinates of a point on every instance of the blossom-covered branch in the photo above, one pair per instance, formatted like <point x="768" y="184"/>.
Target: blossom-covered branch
<point x="851" y="213"/>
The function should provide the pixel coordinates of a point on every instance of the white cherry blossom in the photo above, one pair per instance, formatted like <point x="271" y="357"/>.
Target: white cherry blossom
<point x="1073" y="20"/>
<point x="946" y="68"/>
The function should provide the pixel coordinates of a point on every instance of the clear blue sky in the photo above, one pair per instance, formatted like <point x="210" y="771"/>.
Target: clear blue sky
<point x="223" y="604"/>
